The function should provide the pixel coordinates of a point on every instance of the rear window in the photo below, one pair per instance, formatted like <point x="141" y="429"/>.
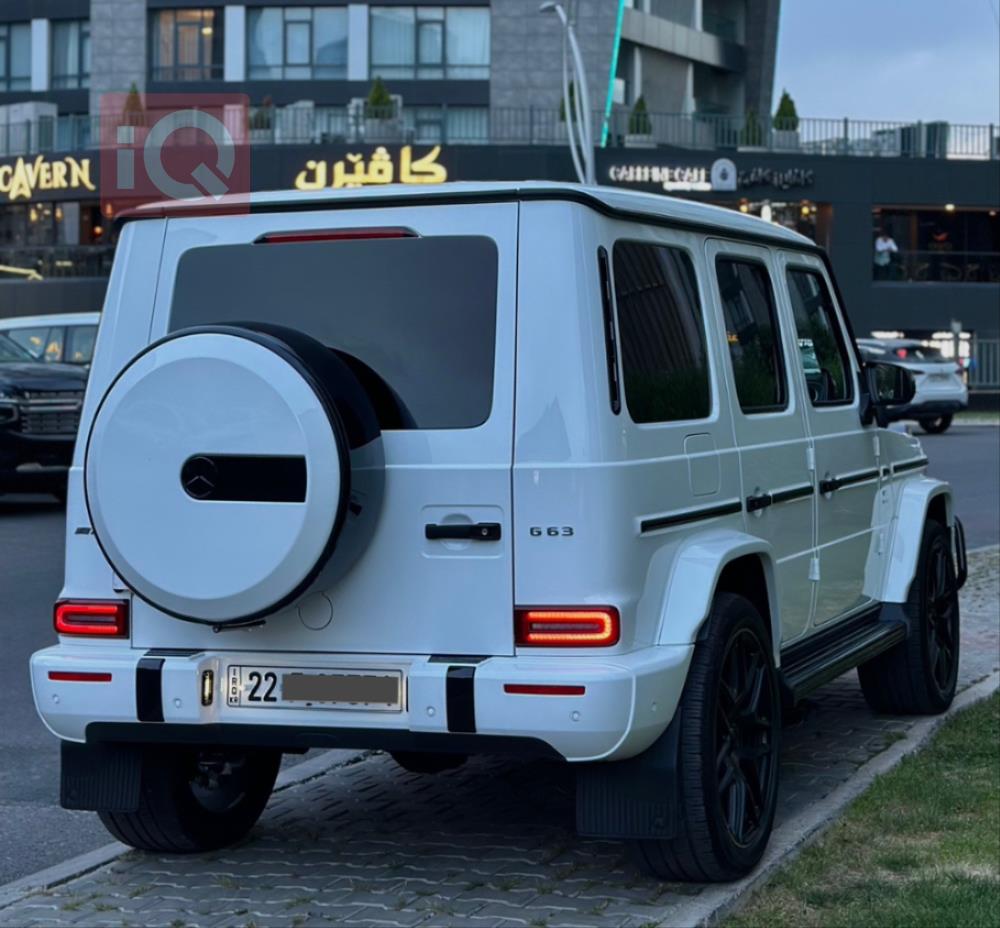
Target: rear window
<point x="420" y="312"/>
<point x="664" y="360"/>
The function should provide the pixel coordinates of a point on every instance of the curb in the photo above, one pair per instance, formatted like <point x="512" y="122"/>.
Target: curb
<point x="794" y="836"/>
<point x="83" y="864"/>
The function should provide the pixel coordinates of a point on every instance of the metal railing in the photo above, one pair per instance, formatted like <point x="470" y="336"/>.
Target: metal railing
<point x="58" y="260"/>
<point x="984" y="365"/>
<point x="941" y="267"/>
<point x="543" y="126"/>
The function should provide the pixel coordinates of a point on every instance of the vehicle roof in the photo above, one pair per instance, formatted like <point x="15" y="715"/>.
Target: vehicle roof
<point x="628" y="203"/>
<point x="23" y="322"/>
<point x="895" y="342"/>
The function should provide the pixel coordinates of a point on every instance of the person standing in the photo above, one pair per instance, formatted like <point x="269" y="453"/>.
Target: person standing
<point x="885" y="248"/>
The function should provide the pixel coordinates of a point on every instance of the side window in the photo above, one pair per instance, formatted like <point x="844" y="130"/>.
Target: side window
<point x="664" y="361"/>
<point x="80" y="343"/>
<point x="753" y="334"/>
<point x="34" y="340"/>
<point x="821" y="342"/>
<point x="54" y="344"/>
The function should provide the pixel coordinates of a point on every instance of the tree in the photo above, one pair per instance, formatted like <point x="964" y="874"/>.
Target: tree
<point x="379" y="104"/>
<point x="133" y="113"/>
<point x="263" y="115"/>
<point x="752" y="133"/>
<point x="639" y="122"/>
<point x="785" y="116"/>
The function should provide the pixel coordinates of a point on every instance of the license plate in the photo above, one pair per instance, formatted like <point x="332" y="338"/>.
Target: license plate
<point x="299" y="688"/>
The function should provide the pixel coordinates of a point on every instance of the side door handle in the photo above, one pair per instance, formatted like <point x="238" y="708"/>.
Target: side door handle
<point x="463" y="531"/>
<point x="759" y="501"/>
<point x="829" y="485"/>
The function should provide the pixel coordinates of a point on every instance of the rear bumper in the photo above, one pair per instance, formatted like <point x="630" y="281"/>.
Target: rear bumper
<point x="451" y="704"/>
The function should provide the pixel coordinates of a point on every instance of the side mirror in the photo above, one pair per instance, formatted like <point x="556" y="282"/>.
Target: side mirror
<point x="891" y="389"/>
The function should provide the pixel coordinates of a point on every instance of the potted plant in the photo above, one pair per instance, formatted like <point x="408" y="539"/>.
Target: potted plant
<point x="752" y="135"/>
<point x="785" y="125"/>
<point x="133" y="112"/>
<point x="262" y="121"/>
<point x="640" y="127"/>
<point x="382" y="113"/>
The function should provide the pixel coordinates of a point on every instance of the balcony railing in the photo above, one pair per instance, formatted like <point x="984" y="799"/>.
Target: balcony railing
<point x="979" y="267"/>
<point x="542" y="126"/>
<point x="58" y="260"/>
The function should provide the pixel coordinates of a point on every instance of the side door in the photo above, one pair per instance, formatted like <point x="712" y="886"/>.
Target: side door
<point x="847" y="466"/>
<point x="768" y="422"/>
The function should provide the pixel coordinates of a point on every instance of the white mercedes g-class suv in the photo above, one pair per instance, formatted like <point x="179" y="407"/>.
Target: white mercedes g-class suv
<point x="533" y="468"/>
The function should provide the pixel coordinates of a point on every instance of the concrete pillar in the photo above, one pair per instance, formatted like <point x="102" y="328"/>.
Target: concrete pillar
<point x="235" y="37"/>
<point x="118" y="48"/>
<point x="41" y="44"/>
<point x="357" y="41"/>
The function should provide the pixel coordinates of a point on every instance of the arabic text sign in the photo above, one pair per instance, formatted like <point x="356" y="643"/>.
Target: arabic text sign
<point x="354" y="171"/>
<point x="23" y="179"/>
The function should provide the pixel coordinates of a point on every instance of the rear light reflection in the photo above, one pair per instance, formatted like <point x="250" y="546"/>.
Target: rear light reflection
<point x="78" y="676"/>
<point x="567" y="628"/>
<point x="92" y="619"/>
<point x="544" y="689"/>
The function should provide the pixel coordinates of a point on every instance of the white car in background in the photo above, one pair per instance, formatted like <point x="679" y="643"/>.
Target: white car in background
<point x="941" y="390"/>
<point x="66" y="338"/>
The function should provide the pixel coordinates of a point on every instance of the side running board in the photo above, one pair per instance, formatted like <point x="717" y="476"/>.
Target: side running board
<point x="829" y="653"/>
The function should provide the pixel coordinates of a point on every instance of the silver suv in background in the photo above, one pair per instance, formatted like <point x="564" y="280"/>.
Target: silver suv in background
<point x="941" y="389"/>
<point x="62" y="338"/>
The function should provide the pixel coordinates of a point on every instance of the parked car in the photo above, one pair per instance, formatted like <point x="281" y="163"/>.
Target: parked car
<point x="940" y="388"/>
<point x="39" y="415"/>
<point x="66" y="338"/>
<point x="490" y="468"/>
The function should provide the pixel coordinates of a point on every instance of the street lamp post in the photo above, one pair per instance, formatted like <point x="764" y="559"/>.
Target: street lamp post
<point x="579" y="130"/>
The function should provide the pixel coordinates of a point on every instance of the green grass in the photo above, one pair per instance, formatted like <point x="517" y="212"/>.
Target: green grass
<point x="979" y="417"/>
<point x="920" y="848"/>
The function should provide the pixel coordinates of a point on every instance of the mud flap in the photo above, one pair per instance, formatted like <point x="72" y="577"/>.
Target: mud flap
<point x="961" y="557"/>
<point x="100" y="777"/>
<point x="634" y="798"/>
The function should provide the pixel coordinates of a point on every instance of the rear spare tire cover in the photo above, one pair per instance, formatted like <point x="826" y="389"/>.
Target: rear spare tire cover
<point x="217" y="470"/>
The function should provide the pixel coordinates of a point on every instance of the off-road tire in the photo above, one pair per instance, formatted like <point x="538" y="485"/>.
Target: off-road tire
<point x="705" y="849"/>
<point x="178" y="815"/>
<point x="427" y="762"/>
<point x="935" y="425"/>
<point x="903" y="681"/>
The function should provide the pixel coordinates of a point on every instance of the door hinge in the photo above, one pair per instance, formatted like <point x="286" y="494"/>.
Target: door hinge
<point x="814" y="569"/>
<point x="811" y="458"/>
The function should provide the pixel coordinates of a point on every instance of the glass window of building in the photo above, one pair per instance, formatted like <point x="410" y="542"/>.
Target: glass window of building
<point x="297" y="43"/>
<point x="187" y="45"/>
<point x="664" y="360"/>
<point x="15" y="56"/>
<point x="947" y="244"/>
<point x="430" y="42"/>
<point x="71" y="53"/>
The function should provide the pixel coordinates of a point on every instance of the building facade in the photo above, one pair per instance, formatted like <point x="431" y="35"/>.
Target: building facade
<point x="474" y="89"/>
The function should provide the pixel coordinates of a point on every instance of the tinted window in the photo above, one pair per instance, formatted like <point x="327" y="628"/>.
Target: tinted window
<point x="753" y="334"/>
<point x="821" y="345"/>
<point x="80" y="343"/>
<point x="664" y="362"/>
<point x="419" y="312"/>
<point x="34" y="340"/>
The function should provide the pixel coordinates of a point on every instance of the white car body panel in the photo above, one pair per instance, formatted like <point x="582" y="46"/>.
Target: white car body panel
<point x="551" y="455"/>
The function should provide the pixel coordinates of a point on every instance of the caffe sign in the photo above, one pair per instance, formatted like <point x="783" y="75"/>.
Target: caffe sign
<point x="25" y="178"/>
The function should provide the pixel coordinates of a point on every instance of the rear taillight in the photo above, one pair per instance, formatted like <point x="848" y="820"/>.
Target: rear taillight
<point x="92" y="619"/>
<point x="79" y="676"/>
<point x="333" y="235"/>
<point x="567" y="628"/>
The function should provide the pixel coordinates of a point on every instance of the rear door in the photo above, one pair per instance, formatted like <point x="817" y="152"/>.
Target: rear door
<point x="768" y="422"/>
<point x="433" y="314"/>
<point x="847" y="465"/>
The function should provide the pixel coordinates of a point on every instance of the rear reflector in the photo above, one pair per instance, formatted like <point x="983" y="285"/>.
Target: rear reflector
<point x="332" y="235"/>
<point x="567" y="628"/>
<point x="73" y="676"/>
<point x="543" y="689"/>
<point x="102" y="620"/>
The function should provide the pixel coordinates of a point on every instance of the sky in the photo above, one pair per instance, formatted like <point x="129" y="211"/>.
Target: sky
<point x="891" y="59"/>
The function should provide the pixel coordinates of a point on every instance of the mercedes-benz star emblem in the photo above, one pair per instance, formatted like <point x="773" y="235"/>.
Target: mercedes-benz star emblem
<point x="199" y="477"/>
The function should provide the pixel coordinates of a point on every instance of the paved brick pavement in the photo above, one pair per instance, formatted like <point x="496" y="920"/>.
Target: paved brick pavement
<point x="490" y="843"/>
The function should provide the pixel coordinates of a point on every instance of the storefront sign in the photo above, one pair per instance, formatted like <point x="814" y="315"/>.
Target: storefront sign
<point x="721" y="176"/>
<point x="774" y="177"/>
<point x="354" y="171"/>
<point x="23" y="179"/>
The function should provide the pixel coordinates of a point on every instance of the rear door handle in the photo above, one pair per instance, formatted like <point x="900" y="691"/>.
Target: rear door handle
<point x="758" y="502"/>
<point x="829" y="485"/>
<point x="467" y="531"/>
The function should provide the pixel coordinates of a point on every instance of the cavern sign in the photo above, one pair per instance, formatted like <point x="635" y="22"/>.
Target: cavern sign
<point x="25" y="178"/>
